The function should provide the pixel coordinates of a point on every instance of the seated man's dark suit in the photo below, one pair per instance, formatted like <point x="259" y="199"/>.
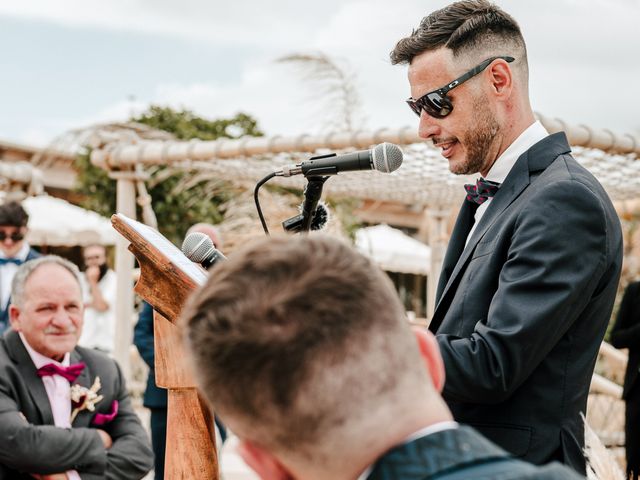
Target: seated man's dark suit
<point x="31" y="443"/>
<point x="626" y="334"/>
<point x="522" y="309"/>
<point x="460" y="454"/>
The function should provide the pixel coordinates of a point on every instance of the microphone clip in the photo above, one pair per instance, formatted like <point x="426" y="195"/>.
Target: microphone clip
<point x="312" y="193"/>
<point x="296" y="169"/>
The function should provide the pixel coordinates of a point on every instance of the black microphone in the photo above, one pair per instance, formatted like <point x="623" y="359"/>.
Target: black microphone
<point x="385" y="158"/>
<point x="199" y="248"/>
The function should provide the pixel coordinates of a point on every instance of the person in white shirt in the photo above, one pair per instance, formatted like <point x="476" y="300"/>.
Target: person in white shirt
<point x="303" y="348"/>
<point x="14" y="251"/>
<point x="99" y="289"/>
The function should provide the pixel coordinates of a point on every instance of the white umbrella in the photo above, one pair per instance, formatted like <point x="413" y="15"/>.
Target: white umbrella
<point x="393" y="250"/>
<point x="56" y="222"/>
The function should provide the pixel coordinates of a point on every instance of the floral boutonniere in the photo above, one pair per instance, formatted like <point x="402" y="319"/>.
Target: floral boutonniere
<point x="83" y="398"/>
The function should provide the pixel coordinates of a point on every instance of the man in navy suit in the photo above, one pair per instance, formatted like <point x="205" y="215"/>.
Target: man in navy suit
<point x="302" y="347"/>
<point x="531" y="271"/>
<point x="14" y="251"/>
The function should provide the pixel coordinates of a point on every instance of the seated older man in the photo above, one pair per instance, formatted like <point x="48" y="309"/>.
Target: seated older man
<point x="64" y="409"/>
<point x="302" y="346"/>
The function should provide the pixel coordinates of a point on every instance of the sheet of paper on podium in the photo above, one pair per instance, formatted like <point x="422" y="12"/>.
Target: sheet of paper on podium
<point x="172" y="252"/>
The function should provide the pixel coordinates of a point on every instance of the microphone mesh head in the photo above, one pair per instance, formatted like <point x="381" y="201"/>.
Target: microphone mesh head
<point x="387" y="157"/>
<point x="196" y="246"/>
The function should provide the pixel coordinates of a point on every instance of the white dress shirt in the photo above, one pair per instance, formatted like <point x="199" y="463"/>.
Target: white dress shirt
<point x="505" y="162"/>
<point x="58" y="390"/>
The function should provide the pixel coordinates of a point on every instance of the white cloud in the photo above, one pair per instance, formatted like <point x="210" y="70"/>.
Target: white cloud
<point x="582" y="55"/>
<point x="266" y="91"/>
<point x="277" y="23"/>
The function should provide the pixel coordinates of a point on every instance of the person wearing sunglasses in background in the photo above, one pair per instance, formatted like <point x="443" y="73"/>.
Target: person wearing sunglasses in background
<point x="532" y="267"/>
<point x="14" y="251"/>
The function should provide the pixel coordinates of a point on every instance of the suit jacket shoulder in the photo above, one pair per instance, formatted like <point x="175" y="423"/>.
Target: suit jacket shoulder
<point x="459" y="454"/>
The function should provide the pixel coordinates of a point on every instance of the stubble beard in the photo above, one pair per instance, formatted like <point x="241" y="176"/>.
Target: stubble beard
<point x="477" y="140"/>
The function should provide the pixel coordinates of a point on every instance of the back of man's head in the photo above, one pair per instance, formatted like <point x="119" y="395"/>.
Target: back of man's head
<point x="302" y="346"/>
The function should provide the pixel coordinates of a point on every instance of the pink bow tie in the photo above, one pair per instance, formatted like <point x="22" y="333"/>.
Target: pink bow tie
<point x="70" y="373"/>
<point x="481" y="191"/>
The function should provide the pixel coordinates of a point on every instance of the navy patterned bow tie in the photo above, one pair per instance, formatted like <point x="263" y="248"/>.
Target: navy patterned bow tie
<point x="70" y="373"/>
<point x="481" y="191"/>
<point x="4" y="261"/>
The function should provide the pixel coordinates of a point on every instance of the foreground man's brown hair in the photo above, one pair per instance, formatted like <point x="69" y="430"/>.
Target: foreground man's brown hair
<point x="302" y="347"/>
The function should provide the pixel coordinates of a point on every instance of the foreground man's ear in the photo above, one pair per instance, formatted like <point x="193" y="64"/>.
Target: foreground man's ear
<point x="262" y="462"/>
<point x="431" y="355"/>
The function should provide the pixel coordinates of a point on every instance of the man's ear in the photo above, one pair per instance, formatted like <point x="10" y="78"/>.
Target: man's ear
<point x="501" y="77"/>
<point x="262" y="462"/>
<point x="14" y="317"/>
<point x="431" y="355"/>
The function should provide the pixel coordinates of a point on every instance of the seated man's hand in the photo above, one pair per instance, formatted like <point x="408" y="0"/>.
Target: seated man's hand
<point x="53" y="476"/>
<point x="106" y="438"/>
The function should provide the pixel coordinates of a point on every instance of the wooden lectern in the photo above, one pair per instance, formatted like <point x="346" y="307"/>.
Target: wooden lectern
<point x="167" y="278"/>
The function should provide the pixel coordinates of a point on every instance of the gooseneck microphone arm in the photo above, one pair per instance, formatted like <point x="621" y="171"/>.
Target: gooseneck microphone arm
<point x="256" y="198"/>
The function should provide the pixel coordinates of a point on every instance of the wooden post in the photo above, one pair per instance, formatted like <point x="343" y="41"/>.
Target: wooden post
<point x="125" y="204"/>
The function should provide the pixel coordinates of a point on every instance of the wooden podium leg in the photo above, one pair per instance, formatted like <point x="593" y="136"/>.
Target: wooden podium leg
<point x="191" y="443"/>
<point x="184" y="439"/>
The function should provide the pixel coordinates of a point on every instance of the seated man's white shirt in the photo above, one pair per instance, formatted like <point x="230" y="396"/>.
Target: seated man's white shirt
<point x="99" y="328"/>
<point x="58" y="390"/>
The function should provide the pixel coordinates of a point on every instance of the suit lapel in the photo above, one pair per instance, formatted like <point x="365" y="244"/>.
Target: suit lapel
<point x="537" y="158"/>
<point x="27" y="370"/>
<point x="514" y="184"/>
<point x="85" y="379"/>
<point x="463" y="225"/>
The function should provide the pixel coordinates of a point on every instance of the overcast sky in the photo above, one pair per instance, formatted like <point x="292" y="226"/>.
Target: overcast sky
<point x="70" y="63"/>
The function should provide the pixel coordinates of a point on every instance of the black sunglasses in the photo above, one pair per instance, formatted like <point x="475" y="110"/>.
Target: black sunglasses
<point x="436" y="103"/>
<point x="15" y="236"/>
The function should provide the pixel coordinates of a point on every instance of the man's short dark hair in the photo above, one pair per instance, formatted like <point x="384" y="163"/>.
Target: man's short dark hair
<point x="462" y="27"/>
<point x="12" y="214"/>
<point x="294" y="335"/>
